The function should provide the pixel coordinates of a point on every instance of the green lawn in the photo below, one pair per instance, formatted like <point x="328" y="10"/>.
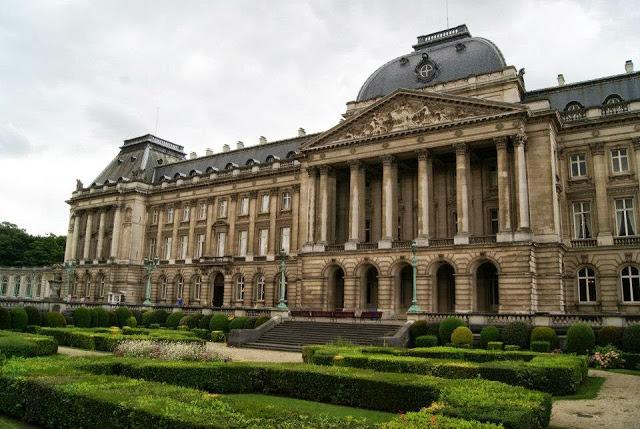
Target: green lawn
<point x="256" y="405"/>
<point x="587" y="390"/>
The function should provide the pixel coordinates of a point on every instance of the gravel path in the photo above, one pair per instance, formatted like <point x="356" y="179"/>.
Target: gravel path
<point x="616" y="407"/>
<point x="254" y="355"/>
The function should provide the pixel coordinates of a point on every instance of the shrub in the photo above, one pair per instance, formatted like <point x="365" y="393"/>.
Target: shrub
<point x="495" y="345"/>
<point x="511" y="348"/>
<point x="609" y="335"/>
<point x="421" y="328"/>
<point x="113" y="319"/>
<point x="154" y="326"/>
<point x="81" y="317"/>
<point x="580" y="339"/>
<point x="462" y="336"/>
<point x="19" y="319"/>
<point x="237" y="323"/>
<point x="446" y="328"/>
<point x="5" y="318"/>
<point x="55" y="320"/>
<point x="204" y="321"/>
<point x="631" y="360"/>
<point x="489" y="334"/>
<point x="132" y="330"/>
<point x="205" y="334"/>
<point x="154" y="316"/>
<point x="217" y="336"/>
<point x="262" y="320"/>
<point x="26" y="345"/>
<point x="183" y="322"/>
<point x="250" y="323"/>
<point x="540" y="346"/>
<point x="131" y="322"/>
<point x="191" y="321"/>
<point x="99" y="318"/>
<point x="631" y="339"/>
<point x="607" y="357"/>
<point x="516" y="333"/>
<point x="545" y="333"/>
<point x="426" y="341"/>
<point x="33" y="316"/>
<point x="219" y="322"/>
<point x="122" y="314"/>
<point x="138" y="315"/>
<point x="174" y="319"/>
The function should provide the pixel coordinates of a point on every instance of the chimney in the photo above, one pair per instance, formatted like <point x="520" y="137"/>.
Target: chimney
<point x="263" y="140"/>
<point x="560" y="79"/>
<point x="239" y="145"/>
<point x="226" y="148"/>
<point x="208" y="152"/>
<point x="628" y="66"/>
<point x="301" y="132"/>
<point x="193" y="155"/>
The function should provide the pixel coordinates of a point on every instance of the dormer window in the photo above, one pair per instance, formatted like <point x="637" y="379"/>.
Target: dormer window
<point x="291" y="155"/>
<point x="231" y="166"/>
<point x="252" y="162"/>
<point x="613" y="105"/>
<point x="272" y="158"/>
<point x="573" y="111"/>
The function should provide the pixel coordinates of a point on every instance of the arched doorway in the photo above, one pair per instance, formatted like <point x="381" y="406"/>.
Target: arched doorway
<point x="487" y="290"/>
<point x="369" y="287"/>
<point x="403" y="288"/>
<point x="218" y="290"/>
<point x="446" y="289"/>
<point x="337" y="288"/>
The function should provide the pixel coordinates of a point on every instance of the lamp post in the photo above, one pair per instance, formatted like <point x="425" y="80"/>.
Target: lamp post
<point x="415" y="308"/>
<point x="282" y="305"/>
<point x="150" y="266"/>
<point x="70" y="268"/>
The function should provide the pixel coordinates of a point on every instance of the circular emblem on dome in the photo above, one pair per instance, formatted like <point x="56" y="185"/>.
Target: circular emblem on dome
<point x="426" y="70"/>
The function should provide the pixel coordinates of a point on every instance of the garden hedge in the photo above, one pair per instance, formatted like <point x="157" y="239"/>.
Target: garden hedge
<point x="55" y="320"/>
<point x="19" y="319"/>
<point x="580" y="339"/>
<point x="426" y="341"/>
<point x="446" y="328"/>
<point x="237" y="323"/>
<point x="462" y="336"/>
<point x="631" y="339"/>
<point x="5" y="318"/>
<point x="262" y="320"/>
<point x="26" y="345"/>
<point x="204" y="321"/>
<point x="173" y="320"/>
<point x="489" y="334"/>
<point x="99" y="318"/>
<point x="33" y="315"/>
<point x="609" y="335"/>
<point x="421" y="328"/>
<point x="219" y="322"/>
<point x="545" y="333"/>
<point x="540" y="346"/>
<point x="517" y="334"/>
<point x="81" y="317"/>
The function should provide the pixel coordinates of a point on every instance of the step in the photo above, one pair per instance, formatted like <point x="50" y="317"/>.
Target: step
<point x="270" y="346"/>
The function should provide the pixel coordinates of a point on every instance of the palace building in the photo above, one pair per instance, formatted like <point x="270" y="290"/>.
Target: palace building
<point x="517" y="201"/>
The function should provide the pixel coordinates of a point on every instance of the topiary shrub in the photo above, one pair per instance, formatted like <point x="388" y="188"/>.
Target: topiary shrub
<point x="81" y="317"/>
<point x="138" y="315"/>
<point x="609" y="335"/>
<point x="489" y="334"/>
<point x="541" y="346"/>
<point x="495" y="345"/>
<point x="544" y="333"/>
<point x="99" y="318"/>
<point x="5" y="319"/>
<point x="580" y="339"/>
<point x="113" y="319"/>
<point x="517" y="334"/>
<point x="131" y="322"/>
<point x="250" y="323"/>
<point x="462" y="336"/>
<point x="237" y="323"/>
<point x="217" y="336"/>
<point x="184" y="322"/>
<point x="219" y="322"/>
<point x="122" y="314"/>
<point x="194" y="320"/>
<point x="426" y="341"/>
<point x="204" y="321"/>
<point x="174" y="319"/>
<point x="446" y="328"/>
<point x="19" y="319"/>
<point x="205" y="334"/>
<point x="631" y="339"/>
<point x="262" y="320"/>
<point x="511" y="348"/>
<point x="33" y="316"/>
<point x="55" y="320"/>
<point x="421" y="328"/>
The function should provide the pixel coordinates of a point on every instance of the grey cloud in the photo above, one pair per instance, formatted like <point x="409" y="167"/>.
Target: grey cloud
<point x="114" y="122"/>
<point x="12" y="142"/>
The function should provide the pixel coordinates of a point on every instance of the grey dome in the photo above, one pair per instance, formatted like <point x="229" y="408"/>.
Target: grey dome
<point x="453" y="52"/>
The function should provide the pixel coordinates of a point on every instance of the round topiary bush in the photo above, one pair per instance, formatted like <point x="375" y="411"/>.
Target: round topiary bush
<point x="544" y="333"/>
<point x="489" y="334"/>
<point x="174" y="319"/>
<point x="55" y="320"/>
<point x="160" y="316"/>
<point x="204" y="321"/>
<point x="194" y="320"/>
<point x="237" y="323"/>
<point x="609" y="335"/>
<point x="516" y="334"/>
<point x="462" y="336"/>
<point x="250" y="323"/>
<point x="580" y="339"/>
<point x="81" y="317"/>
<point x="631" y="339"/>
<point x="184" y="321"/>
<point x="5" y="319"/>
<point x="131" y="322"/>
<point x="219" y="322"/>
<point x="99" y="318"/>
<point x="122" y="314"/>
<point x="147" y="317"/>
<point x="19" y="319"/>
<point x="262" y="320"/>
<point x="446" y="328"/>
<point x="138" y="315"/>
<point x="426" y="341"/>
<point x="33" y="314"/>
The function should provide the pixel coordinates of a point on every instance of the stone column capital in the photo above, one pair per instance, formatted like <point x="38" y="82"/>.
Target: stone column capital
<point x="500" y="142"/>
<point x="324" y="169"/>
<point x="355" y="164"/>
<point x="233" y="197"/>
<point x="597" y="148"/>
<point x="311" y="171"/>
<point x="388" y="159"/>
<point x="424" y="154"/>
<point x="461" y="148"/>
<point x="520" y="139"/>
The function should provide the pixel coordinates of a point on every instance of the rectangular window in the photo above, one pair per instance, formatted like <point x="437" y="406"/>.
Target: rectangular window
<point x="264" y="203"/>
<point x="242" y="243"/>
<point x="493" y="221"/>
<point x="222" y="241"/>
<point x="244" y="206"/>
<point x="200" y="247"/>
<point x="286" y="201"/>
<point x="184" y="244"/>
<point x="285" y="239"/>
<point x="170" y="215"/>
<point x="582" y="220"/>
<point x="578" y="165"/>
<point x="152" y="248"/>
<point x="185" y="213"/>
<point x="168" y="242"/>
<point x="625" y="219"/>
<point x="154" y="217"/>
<point x="263" y="241"/>
<point x="203" y="211"/>
<point x="619" y="160"/>
<point x="586" y="285"/>
<point x="16" y="286"/>
<point x="492" y="179"/>
<point x="222" y="208"/>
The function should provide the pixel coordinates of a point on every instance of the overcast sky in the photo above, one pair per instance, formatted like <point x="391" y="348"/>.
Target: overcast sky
<point x="79" y="77"/>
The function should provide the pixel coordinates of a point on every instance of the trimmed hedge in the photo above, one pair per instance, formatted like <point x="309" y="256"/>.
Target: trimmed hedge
<point x="540" y="346"/>
<point x="462" y="336"/>
<point x="237" y="323"/>
<point x="446" y="328"/>
<point x="544" y="333"/>
<point x="511" y="348"/>
<point x="26" y="345"/>
<point x="250" y="323"/>
<point x="173" y="320"/>
<point x="580" y="339"/>
<point x="121" y="315"/>
<point x="517" y="334"/>
<point x="219" y="322"/>
<point x="5" y="318"/>
<point x="631" y="360"/>
<point x="631" y="339"/>
<point x="495" y="345"/>
<point x="99" y="318"/>
<point x="19" y="319"/>
<point x="489" y="334"/>
<point x="421" y="328"/>
<point x="205" y="334"/>
<point x="609" y="335"/>
<point x="33" y="316"/>
<point x="426" y="341"/>
<point x="81" y="317"/>
<point x="55" y="320"/>
<point x="131" y="322"/>
<point x="204" y="321"/>
<point x="151" y="317"/>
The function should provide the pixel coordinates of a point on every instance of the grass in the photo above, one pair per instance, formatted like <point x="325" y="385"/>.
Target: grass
<point x="625" y="371"/>
<point x="587" y="390"/>
<point x="257" y="405"/>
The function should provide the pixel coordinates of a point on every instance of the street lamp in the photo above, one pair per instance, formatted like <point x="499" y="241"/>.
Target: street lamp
<point x="150" y="266"/>
<point x="415" y="308"/>
<point x="282" y="305"/>
<point x="70" y="268"/>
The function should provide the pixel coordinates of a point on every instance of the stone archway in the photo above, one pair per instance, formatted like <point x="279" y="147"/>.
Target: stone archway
<point x="403" y="287"/>
<point x="445" y="289"/>
<point x="369" y="287"/>
<point x="218" y="290"/>
<point x="335" y="287"/>
<point x="487" y="288"/>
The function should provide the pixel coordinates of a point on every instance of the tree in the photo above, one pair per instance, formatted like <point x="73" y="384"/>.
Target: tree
<point x="18" y="248"/>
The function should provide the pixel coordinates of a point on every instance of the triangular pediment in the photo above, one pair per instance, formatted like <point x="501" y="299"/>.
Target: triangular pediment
<point x="412" y="110"/>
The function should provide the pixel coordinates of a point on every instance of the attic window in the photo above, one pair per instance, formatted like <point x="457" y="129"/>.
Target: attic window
<point x="291" y="154"/>
<point x="612" y="99"/>
<point x="159" y="162"/>
<point x="133" y="158"/>
<point x="194" y="172"/>
<point x="573" y="111"/>
<point x="272" y="158"/>
<point x="613" y="105"/>
<point x="230" y="166"/>
<point x="252" y="161"/>
<point x="211" y="169"/>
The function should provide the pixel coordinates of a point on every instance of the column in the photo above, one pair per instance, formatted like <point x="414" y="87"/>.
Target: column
<point x="73" y="253"/>
<point x="100" y="243"/>
<point x="462" y="193"/>
<point x="207" y="238"/>
<point x="87" y="236"/>
<point x="174" y="235"/>
<point x="505" y="232"/>
<point x="356" y="205"/>
<point x="389" y="202"/>
<point x="636" y="149"/>
<point x="295" y="210"/>
<point x="324" y="205"/>
<point x="273" y="212"/>
<point x="115" y="233"/>
<point x="523" y="233"/>
<point x="605" y="237"/>
<point x="253" y="197"/>
<point x="425" y="197"/>
<point x="312" y="173"/>
<point x="231" y="216"/>
<point x="191" y="245"/>
<point x="159" y="241"/>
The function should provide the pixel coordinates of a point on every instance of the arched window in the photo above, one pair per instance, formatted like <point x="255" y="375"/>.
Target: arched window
<point x="612" y="99"/>
<point x="29" y="291"/>
<point x="179" y="287"/>
<point x="197" y="287"/>
<point x="586" y="285"/>
<point x="38" y="282"/>
<point x="573" y="106"/>
<point x="87" y="286"/>
<point x="260" y="288"/>
<point x="16" y="285"/>
<point x="291" y="154"/>
<point x="230" y="166"/>
<point x="573" y="111"/>
<point x="630" y="281"/>
<point x="614" y="104"/>
<point x="163" y="288"/>
<point x="100" y="283"/>
<point x="239" y="293"/>
<point x="4" y="285"/>
<point x="73" y="287"/>
<point x="272" y="158"/>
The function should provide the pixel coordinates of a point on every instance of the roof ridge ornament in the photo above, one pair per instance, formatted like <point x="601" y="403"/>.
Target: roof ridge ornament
<point x="426" y="70"/>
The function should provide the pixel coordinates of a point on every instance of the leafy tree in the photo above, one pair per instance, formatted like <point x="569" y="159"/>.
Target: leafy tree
<point x="18" y="248"/>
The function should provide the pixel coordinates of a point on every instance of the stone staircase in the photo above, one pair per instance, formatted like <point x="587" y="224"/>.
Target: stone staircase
<point x="292" y="335"/>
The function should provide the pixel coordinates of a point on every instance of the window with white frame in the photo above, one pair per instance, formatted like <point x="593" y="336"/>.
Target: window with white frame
<point x="168" y="242"/>
<point x="203" y="211"/>
<point x="630" y="282"/>
<point x="242" y="243"/>
<point x="16" y="285"/>
<point x="29" y="288"/>
<point x="184" y="246"/>
<point x="264" y="203"/>
<point x="179" y="287"/>
<point x="170" y="215"/>
<point x="186" y="211"/>
<point x="582" y="220"/>
<point x="4" y="285"/>
<point x="163" y="288"/>
<point x="221" y="242"/>
<point x="239" y="288"/>
<point x="100" y="286"/>
<point x="200" y="245"/>
<point x="578" y="164"/>
<point x="285" y="239"/>
<point x="222" y="208"/>
<point x="263" y="242"/>
<point x="154" y="216"/>
<point x="260" y="283"/>
<point x="619" y="160"/>
<point x="286" y="200"/>
<point x="625" y="219"/>
<point x="152" y="248"/>
<point x="197" y="287"/>
<point x="586" y="285"/>
<point x="244" y="206"/>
